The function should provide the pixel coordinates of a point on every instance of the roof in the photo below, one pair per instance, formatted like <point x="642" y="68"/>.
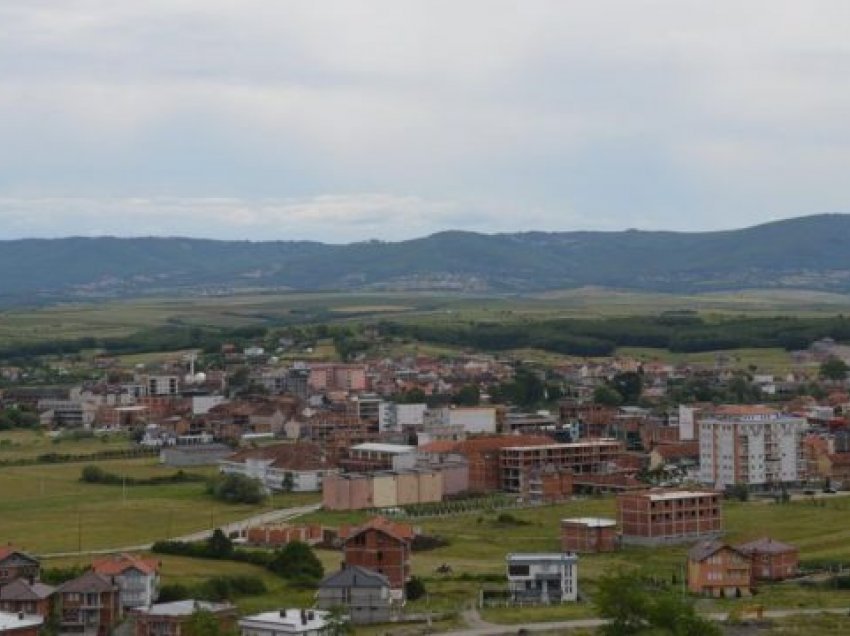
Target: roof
<point x="593" y="522"/>
<point x="559" y="557"/>
<point x="840" y="459"/>
<point x="120" y="563"/>
<point x="288" y="456"/>
<point x="742" y="410"/>
<point x="400" y="531"/>
<point x="23" y="590"/>
<point x="89" y="581"/>
<point x="486" y="443"/>
<point x="374" y="447"/>
<point x="678" y="450"/>
<point x="355" y="576"/>
<point x="184" y="608"/>
<point x="303" y="620"/>
<point x="705" y="549"/>
<point x="8" y="550"/>
<point x="14" y="621"/>
<point x="555" y="445"/>
<point x="765" y="545"/>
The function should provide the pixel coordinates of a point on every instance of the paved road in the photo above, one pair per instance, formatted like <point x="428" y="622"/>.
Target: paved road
<point x="479" y="627"/>
<point x="283" y="514"/>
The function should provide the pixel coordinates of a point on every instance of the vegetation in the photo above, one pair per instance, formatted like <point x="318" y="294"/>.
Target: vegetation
<point x="92" y="474"/>
<point x="297" y="563"/>
<point x="235" y="488"/>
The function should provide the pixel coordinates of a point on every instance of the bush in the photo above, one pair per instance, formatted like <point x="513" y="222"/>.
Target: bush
<point x="414" y="589"/>
<point x="173" y="592"/>
<point x="234" y="488"/>
<point x="297" y="562"/>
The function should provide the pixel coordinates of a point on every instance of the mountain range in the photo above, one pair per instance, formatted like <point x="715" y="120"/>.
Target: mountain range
<point x="810" y="252"/>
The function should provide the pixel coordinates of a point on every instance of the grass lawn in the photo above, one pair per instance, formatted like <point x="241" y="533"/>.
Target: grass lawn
<point x="20" y="444"/>
<point x="47" y="509"/>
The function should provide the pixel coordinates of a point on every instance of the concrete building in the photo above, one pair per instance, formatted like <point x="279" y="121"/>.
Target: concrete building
<point x="589" y="534"/>
<point x="719" y="570"/>
<point x="543" y="578"/>
<point x="394" y="418"/>
<point x="371" y="456"/>
<point x="363" y="593"/>
<point x="303" y="622"/>
<point x="356" y="491"/>
<point x="167" y="618"/>
<point x="751" y="445"/>
<point x="653" y="517"/>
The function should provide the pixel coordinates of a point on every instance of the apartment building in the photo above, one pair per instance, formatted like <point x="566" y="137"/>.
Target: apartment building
<point x="653" y="517"/>
<point x="752" y="445"/>
<point x="517" y="463"/>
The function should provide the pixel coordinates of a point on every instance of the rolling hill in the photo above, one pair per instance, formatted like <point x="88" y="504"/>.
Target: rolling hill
<point x="804" y="253"/>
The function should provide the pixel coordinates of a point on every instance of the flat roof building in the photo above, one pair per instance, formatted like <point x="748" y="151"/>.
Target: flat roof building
<point x="652" y="517"/>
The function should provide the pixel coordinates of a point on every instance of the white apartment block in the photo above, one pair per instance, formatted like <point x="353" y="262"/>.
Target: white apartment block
<point x="755" y="446"/>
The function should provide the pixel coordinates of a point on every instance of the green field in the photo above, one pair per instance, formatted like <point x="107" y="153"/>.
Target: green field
<point x="22" y="444"/>
<point x="46" y="509"/>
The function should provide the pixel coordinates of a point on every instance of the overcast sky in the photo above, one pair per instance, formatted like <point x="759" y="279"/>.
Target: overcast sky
<point x="350" y="120"/>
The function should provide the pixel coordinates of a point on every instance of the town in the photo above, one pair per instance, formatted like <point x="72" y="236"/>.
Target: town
<point x="415" y="492"/>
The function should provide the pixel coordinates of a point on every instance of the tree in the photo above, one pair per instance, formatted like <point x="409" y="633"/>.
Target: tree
<point x="468" y="395"/>
<point x="834" y="369"/>
<point x="607" y="396"/>
<point x="634" y="610"/>
<point x="219" y="545"/>
<point x="629" y="385"/>
<point x="297" y="562"/>
<point x="414" y="589"/>
<point x="204" y="623"/>
<point x="235" y="488"/>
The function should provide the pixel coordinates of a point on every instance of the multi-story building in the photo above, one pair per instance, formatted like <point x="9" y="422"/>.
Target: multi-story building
<point x="166" y="619"/>
<point x="89" y="604"/>
<point x="751" y="445"/>
<point x="588" y="456"/>
<point x="383" y="546"/>
<point x="371" y="456"/>
<point x="364" y="594"/>
<point x="137" y="578"/>
<point x="652" y="517"/>
<point x="296" y="467"/>
<point x="589" y="534"/>
<point x="27" y="597"/>
<point x="356" y="491"/>
<point x="16" y="564"/>
<point x="543" y="578"/>
<point x="771" y="560"/>
<point x="717" y="569"/>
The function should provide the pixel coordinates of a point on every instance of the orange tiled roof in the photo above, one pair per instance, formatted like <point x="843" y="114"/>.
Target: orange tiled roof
<point x="115" y="565"/>
<point x="401" y="531"/>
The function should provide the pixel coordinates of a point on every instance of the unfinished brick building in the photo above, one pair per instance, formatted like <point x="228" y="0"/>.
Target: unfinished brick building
<point x="653" y="517"/>
<point x="589" y="534"/>
<point x="517" y="463"/>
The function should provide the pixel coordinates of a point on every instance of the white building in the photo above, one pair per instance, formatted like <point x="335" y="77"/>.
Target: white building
<point x="543" y="577"/>
<point x="296" y="467"/>
<point x="394" y="417"/>
<point x="286" y="621"/>
<point x="751" y="445"/>
<point x="11" y="623"/>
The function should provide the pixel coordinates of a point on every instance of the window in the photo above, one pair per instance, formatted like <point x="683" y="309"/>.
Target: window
<point x="518" y="570"/>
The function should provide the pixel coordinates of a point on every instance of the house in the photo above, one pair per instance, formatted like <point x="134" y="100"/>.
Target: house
<point x="15" y="564"/>
<point x="589" y="534"/>
<point x="165" y="619"/>
<point x="296" y="467"/>
<point x="771" y="560"/>
<point x="657" y="516"/>
<point x="717" y="569"/>
<point x="22" y="595"/>
<point x="304" y="622"/>
<point x="89" y="604"/>
<point x="543" y="578"/>
<point x="20" y="624"/>
<point x="137" y="578"/>
<point x="363" y="593"/>
<point x="383" y="546"/>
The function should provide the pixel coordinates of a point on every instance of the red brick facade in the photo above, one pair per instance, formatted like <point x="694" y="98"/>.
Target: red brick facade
<point x="668" y="516"/>
<point x="588" y="535"/>
<point x="382" y="546"/>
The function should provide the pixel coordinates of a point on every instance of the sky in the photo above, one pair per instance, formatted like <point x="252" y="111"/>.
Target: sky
<point x="352" y="120"/>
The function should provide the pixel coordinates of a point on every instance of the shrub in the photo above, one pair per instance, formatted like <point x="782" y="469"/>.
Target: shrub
<point x="234" y="488"/>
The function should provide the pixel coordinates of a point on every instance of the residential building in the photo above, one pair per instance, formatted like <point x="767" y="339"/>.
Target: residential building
<point x="380" y="545"/>
<point x="543" y="578"/>
<point x="137" y="578"/>
<point x="296" y="467"/>
<point x="371" y="456"/>
<point x="89" y="604"/>
<point x="587" y="456"/>
<point x="752" y="445"/>
<point x="16" y="564"/>
<point x="363" y="593"/>
<point x="652" y="517"/>
<point x="717" y="569"/>
<point x="394" y="417"/>
<point x="20" y="624"/>
<point x="166" y="619"/>
<point x="589" y="534"/>
<point x="303" y="622"/>
<point x="771" y="560"/>
<point x="29" y="597"/>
